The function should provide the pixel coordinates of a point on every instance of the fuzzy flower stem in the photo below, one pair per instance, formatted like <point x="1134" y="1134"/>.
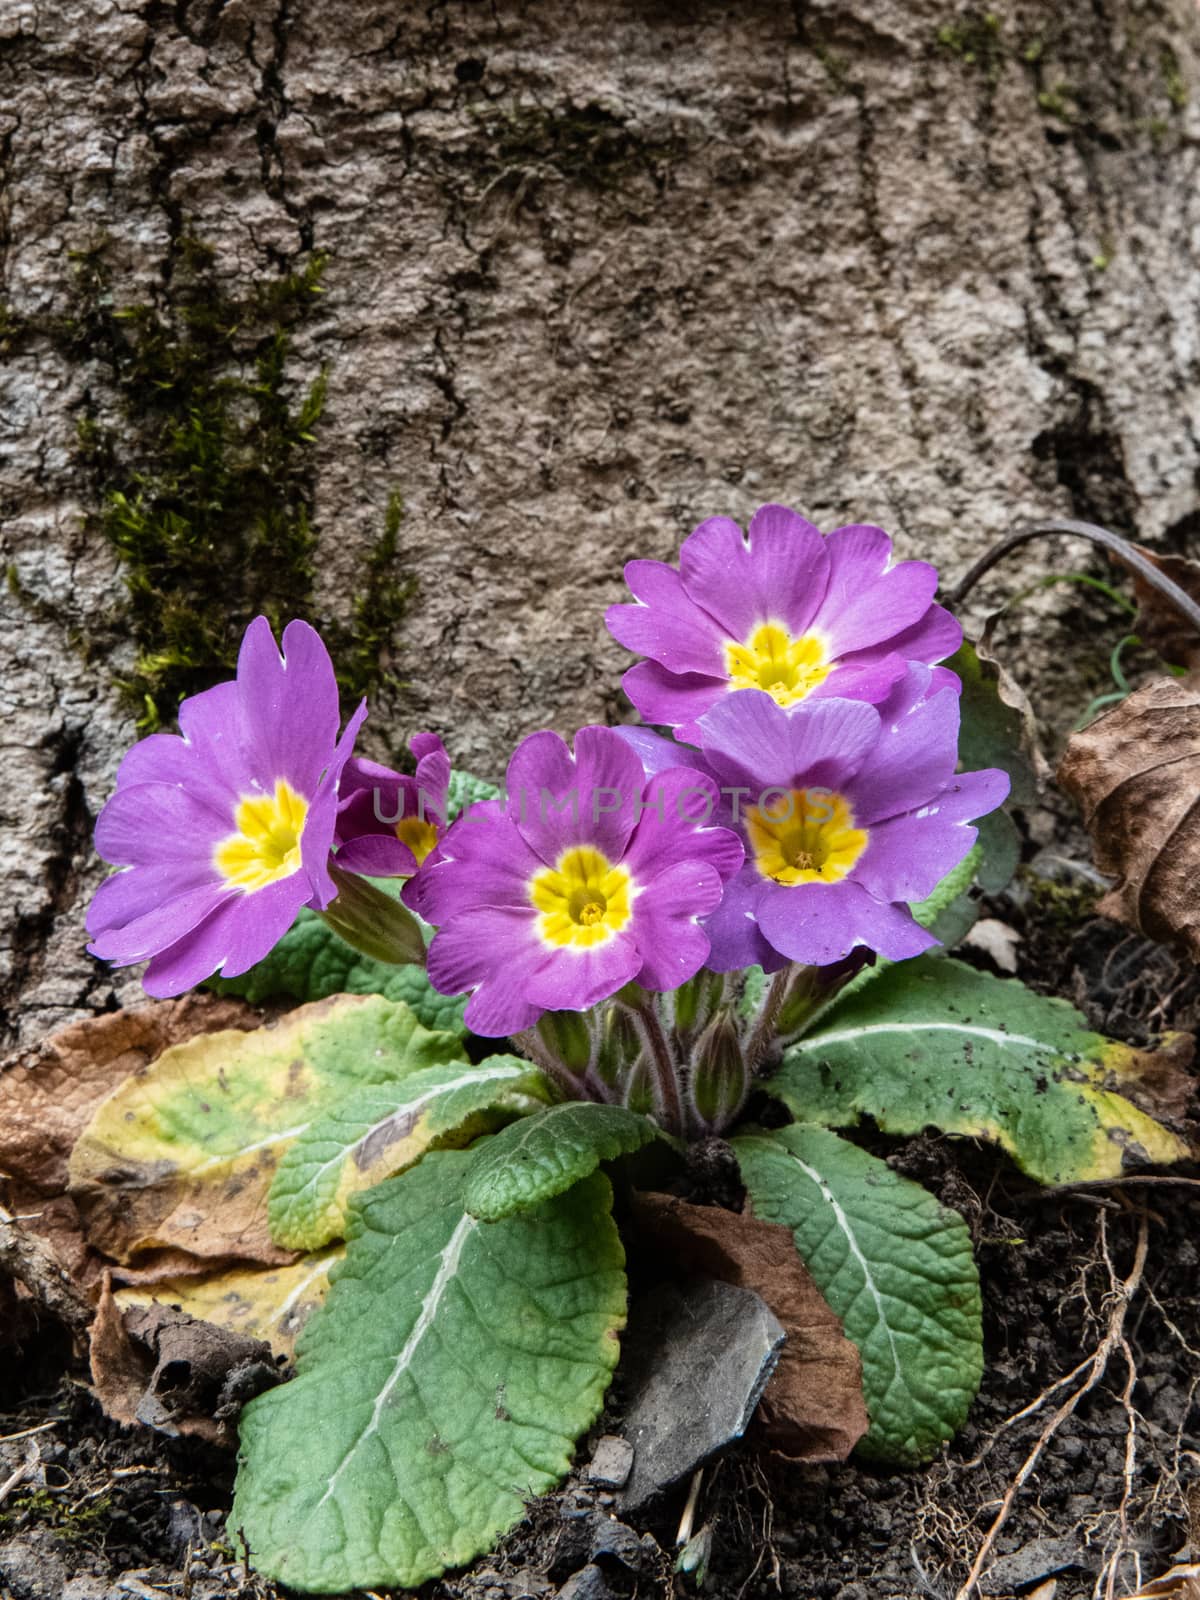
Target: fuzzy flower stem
<point x="670" y="1103"/>
<point x="531" y="1044"/>
<point x="763" y="1029"/>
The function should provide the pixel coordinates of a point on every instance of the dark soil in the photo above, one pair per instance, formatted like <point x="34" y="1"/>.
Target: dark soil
<point x="99" y="1512"/>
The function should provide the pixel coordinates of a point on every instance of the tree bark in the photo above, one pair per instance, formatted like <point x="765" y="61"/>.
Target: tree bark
<point x="597" y="270"/>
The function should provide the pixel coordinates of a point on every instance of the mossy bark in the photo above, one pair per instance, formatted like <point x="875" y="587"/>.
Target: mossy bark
<point x="594" y="271"/>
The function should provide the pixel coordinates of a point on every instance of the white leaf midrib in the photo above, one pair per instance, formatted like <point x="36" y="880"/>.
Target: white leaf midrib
<point x="973" y="1030"/>
<point x="464" y="1081"/>
<point x="448" y="1262"/>
<point x="843" y="1222"/>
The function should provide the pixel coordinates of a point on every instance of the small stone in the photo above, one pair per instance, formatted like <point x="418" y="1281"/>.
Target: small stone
<point x="613" y="1542"/>
<point x="1041" y="1558"/>
<point x="699" y="1356"/>
<point x="588" y="1584"/>
<point x="611" y="1463"/>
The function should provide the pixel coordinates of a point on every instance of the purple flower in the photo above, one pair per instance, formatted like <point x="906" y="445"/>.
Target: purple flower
<point x="849" y="812"/>
<point x="788" y="610"/>
<point x="585" y="878"/>
<point x="224" y="831"/>
<point x="388" y="823"/>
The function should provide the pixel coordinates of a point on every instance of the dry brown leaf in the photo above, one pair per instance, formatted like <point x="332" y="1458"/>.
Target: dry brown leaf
<point x="1159" y="624"/>
<point x="1181" y="1583"/>
<point x="48" y="1093"/>
<point x="1135" y="774"/>
<point x="271" y="1303"/>
<point x="168" y="1371"/>
<point x="813" y="1408"/>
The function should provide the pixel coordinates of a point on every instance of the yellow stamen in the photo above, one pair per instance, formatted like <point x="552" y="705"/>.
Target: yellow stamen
<point x="584" y="900"/>
<point x="805" y="836"/>
<point x="419" y="835"/>
<point x="787" y="668"/>
<point x="266" y="846"/>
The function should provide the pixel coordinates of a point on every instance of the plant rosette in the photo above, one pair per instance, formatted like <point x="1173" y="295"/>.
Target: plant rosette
<point x="511" y="997"/>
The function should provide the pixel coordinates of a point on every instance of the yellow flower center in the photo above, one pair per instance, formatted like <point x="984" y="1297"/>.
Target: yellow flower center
<point x="266" y="846"/>
<point x="583" y="900"/>
<point x="419" y="835"/>
<point x="805" y="836"/>
<point x="771" y="659"/>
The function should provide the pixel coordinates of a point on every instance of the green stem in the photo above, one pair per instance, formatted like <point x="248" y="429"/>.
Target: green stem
<point x="531" y="1044"/>
<point x="763" y="1027"/>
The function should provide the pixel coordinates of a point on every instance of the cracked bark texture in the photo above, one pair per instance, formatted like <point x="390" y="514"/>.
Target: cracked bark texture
<point x="597" y="270"/>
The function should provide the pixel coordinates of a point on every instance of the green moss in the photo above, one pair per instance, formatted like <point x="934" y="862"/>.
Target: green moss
<point x="85" y="1523"/>
<point x="1056" y="905"/>
<point x="589" y="145"/>
<point x="976" y="39"/>
<point x="1173" y="79"/>
<point x="363" y="650"/>
<point x="1057" y="102"/>
<point x="205" y="490"/>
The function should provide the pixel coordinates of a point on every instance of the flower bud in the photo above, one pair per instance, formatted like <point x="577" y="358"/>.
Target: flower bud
<point x="638" y="1088"/>
<point x="719" y="1080"/>
<point x="694" y="1000"/>
<point x="620" y="1045"/>
<point x="567" y="1036"/>
<point x="373" y="922"/>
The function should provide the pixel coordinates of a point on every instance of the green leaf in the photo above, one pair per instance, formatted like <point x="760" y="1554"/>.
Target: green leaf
<point x="545" y="1154"/>
<point x="997" y="731"/>
<point x="934" y="1043"/>
<point x="949" y="911"/>
<point x="310" y="962"/>
<point x="442" y="1385"/>
<point x="466" y="791"/>
<point x="377" y="1132"/>
<point x="897" y="1268"/>
<point x="183" y="1154"/>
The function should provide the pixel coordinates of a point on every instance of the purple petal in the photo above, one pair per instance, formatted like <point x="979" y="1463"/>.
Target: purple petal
<point x="289" y="703"/>
<point x="751" y="742"/>
<point x="495" y="952"/>
<point x="934" y="637"/>
<point x="780" y="576"/>
<point x="908" y="856"/>
<point x="913" y="761"/>
<point x="656" y="753"/>
<point x="482" y="860"/>
<point x="670" y="698"/>
<point x="733" y="930"/>
<point x="157" y="926"/>
<point x="665" y="923"/>
<point x="377" y="855"/>
<point x="819" y="923"/>
<point x="134" y="892"/>
<point x="866" y="603"/>
<point x="433" y="773"/>
<point x="557" y="802"/>
<point x="320" y="824"/>
<point x="158" y="822"/>
<point x="667" y="625"/>
<point x="573" y="978"/>
<point x="213" y="727"/>
<point x="240" y="932"/>
<point x="680" y="809"/>
<point x="871" y="676"/>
